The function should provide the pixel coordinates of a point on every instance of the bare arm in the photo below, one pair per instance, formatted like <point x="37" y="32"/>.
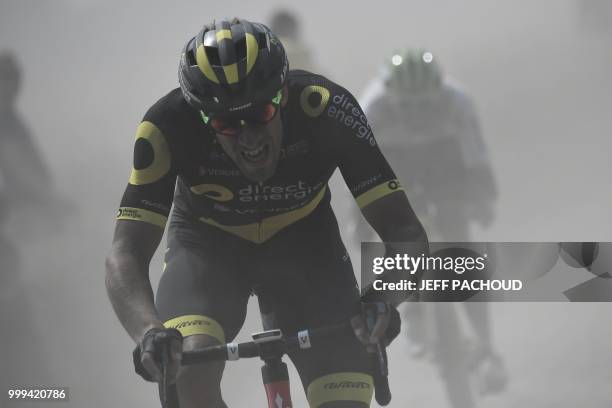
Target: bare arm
<point x="127" y="276"/>
<point x="395" y="222"/>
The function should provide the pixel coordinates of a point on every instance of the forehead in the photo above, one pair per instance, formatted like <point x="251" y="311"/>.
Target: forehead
<point x="252" y="109"/>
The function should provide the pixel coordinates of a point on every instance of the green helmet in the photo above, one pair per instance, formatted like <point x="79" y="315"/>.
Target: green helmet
<point x="413" y="70"/>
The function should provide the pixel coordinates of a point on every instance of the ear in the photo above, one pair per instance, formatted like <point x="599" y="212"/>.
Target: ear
<point x="285" y="96"/>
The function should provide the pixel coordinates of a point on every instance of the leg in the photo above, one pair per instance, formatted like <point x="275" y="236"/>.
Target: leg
<point x="415" y="317"/>
<point x="201" y="295"/>
<point x="199" y="386"/>
<point x="451" y="356"/>
<point x="308" y="281"/>
<point x="488" y="366"/>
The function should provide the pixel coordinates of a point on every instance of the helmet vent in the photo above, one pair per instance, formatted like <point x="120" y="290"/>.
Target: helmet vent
<point x="241" y="49"/>
<point x="213" y="55"/>
<point x="263" y="41"/>
<point x="191" y="60"/>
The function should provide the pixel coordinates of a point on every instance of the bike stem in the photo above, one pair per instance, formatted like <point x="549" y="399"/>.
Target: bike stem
<point x="276" y="382"/>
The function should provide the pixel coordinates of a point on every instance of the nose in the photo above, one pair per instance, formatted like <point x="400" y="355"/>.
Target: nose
<point x="251" y="136"/>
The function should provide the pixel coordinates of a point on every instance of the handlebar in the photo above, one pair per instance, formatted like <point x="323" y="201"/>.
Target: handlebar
<point x="234" y="351"/>
<point x="272" y="344"/>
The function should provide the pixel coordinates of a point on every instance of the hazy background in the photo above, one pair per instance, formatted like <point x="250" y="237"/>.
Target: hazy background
<point x="539" y="72"/>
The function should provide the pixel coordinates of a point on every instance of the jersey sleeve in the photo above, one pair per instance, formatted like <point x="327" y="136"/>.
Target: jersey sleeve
<point x="365" y="170"/>
<point x="149" y="193"/>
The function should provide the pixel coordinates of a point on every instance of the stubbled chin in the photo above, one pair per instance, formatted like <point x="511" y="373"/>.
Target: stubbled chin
<point x="258" y="174"/>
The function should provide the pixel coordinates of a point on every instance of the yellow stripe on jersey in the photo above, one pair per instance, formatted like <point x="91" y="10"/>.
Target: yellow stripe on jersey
<point x="347" y="386"/>
<point x="378" y="192"/>
<point x="259" y="232"/>
<point x="160" y="165"/>
<point x="138" y="214"/>
<point x="190" y="325"/>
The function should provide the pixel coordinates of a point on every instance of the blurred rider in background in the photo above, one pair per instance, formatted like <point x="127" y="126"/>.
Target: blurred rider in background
<point x="428" y="129"/>
<point x="287" y="27"/>
<point x="25" y="192"/>
<point x="25" y="178"/>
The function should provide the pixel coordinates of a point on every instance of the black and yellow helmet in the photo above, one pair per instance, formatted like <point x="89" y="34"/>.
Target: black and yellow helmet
<point x="232" y="65"/>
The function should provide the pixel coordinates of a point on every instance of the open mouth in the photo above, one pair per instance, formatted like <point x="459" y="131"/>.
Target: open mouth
<point x="256" y="156"/>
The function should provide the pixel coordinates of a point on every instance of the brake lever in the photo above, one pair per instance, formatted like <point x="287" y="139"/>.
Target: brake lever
<point x="379" y="359"/>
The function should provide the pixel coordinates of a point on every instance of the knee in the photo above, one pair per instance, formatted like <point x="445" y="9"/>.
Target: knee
<point x="199" y="385"/>
<point x="211" y="371"/>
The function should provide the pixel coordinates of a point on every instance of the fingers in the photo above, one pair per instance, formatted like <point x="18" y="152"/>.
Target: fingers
<point x="359" y="327"/>
<point x="154" y="367"/>
<point x="380" y="327"/>
<point x="148" y="362"/>
<point x="174" y="362"/>
<point x="370" y="340"/>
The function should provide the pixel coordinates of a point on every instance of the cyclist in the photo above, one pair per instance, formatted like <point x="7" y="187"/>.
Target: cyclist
<point x="286" y="26"/>
<point x="428" y="129"/>
<point x="23" y="174"/>
<point x="24" y="180"/>
<point x="250" y="146"/>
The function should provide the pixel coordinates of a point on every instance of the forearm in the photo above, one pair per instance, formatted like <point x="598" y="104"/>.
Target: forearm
<point x="399" y="240"/>
<point x="402" y="233"/>
<point x="396" y="237"/>
<point x="406" y="236"/>
<point x="130" y="292"/>
<point x="394" y="221"/>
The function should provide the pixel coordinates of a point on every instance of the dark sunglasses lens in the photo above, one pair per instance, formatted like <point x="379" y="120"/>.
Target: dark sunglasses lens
<point x="230" y="127"/>
<point x="266" y="113"/>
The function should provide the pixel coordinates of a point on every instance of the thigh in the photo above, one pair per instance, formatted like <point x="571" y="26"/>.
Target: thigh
<point x="337" y="372"/>
<point x="202" y="290"/>
<point x="310" y="284"/>
<point x="305" y="276"/>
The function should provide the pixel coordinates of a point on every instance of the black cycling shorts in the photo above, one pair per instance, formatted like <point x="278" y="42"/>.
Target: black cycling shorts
<point x="303" y="275"/>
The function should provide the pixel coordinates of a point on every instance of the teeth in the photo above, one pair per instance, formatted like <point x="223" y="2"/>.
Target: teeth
<point x="254" y="153"/>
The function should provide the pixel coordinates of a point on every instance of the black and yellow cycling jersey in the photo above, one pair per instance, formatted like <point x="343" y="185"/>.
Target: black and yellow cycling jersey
<point x="323" y="129"/>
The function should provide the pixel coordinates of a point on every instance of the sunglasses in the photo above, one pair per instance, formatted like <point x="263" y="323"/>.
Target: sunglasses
<point x="232" y="126"/>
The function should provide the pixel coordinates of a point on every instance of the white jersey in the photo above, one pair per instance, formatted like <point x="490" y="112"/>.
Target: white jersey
<point x="434" y="144"/>
<point x="417" y="122"/>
